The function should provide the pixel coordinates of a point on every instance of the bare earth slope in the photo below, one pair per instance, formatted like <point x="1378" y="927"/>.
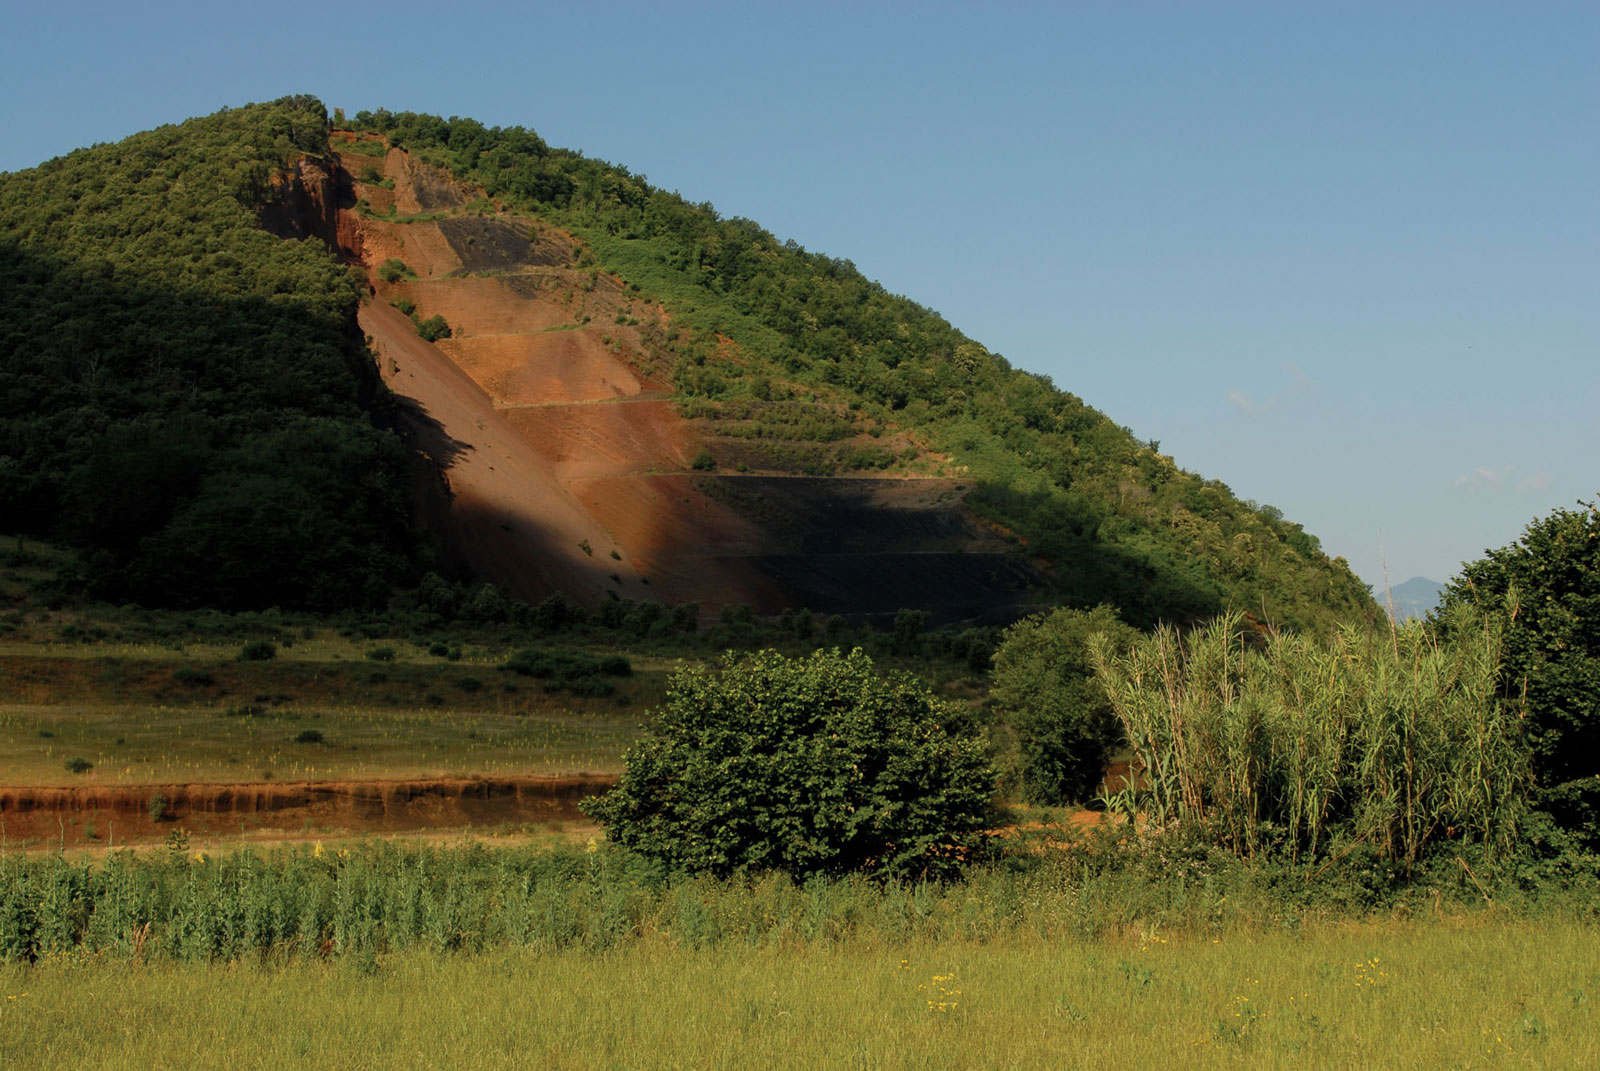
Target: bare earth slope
<point x="548" y="414"/>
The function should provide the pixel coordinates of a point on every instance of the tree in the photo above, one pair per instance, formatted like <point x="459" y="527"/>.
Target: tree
<point x="1546" y="588"/>
<point x="434" y="328"/>
<point x="1045" y="685"/>
<point x="806" y="765"/>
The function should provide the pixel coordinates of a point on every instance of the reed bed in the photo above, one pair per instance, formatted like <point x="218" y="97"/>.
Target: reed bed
<point x="1317" y="746"/>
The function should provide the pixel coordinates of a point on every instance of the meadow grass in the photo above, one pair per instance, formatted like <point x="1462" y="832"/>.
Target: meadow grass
<point x="1453" y="993"/>
<point x="141" y="714"/>
<point x="129" y="744"/>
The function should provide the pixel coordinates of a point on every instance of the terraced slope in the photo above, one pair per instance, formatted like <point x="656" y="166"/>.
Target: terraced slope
<point x="549" y="415"/>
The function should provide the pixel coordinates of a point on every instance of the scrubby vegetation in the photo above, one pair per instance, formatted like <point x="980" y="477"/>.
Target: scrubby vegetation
<point x="1044" y="686"/>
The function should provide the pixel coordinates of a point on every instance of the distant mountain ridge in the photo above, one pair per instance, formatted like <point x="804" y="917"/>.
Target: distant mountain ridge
<point x="1413" y="599"/>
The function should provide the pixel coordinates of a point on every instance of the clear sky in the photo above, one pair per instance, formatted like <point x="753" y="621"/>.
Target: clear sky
<point x="1344" y="257"/>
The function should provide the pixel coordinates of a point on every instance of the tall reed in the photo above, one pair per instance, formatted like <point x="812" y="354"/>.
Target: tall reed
<point x="1317" y="745"/>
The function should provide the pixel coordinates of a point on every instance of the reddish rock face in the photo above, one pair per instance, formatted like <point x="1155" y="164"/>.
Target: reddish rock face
<point x="548" y="415"/>
<point x="305" y="204"/>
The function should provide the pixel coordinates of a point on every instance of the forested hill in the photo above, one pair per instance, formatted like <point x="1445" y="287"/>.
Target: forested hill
<point x="1116" y="520"/>
<point x="187" y="396"/>
<point x="181" y="392"/>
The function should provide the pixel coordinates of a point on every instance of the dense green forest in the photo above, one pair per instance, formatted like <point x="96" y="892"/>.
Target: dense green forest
<point x="184" y="393"/>
<point x="1119" y="521"/>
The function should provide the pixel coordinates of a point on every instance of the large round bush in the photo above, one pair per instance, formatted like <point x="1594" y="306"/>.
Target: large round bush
<point x="806" y="765"/>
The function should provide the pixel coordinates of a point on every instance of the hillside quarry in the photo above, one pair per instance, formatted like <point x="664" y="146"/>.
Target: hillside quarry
<point x="548" y="416"/>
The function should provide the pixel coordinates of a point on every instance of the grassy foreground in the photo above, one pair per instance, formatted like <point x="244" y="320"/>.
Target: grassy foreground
<point x="1448" y="993"/>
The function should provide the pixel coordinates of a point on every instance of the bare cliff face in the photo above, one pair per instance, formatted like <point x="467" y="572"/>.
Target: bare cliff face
<point x="306" y="203"/>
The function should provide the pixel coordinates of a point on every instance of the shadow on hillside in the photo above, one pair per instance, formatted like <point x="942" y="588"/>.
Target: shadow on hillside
<point x="1093" y="566"/>
<point x="207" y="448"/>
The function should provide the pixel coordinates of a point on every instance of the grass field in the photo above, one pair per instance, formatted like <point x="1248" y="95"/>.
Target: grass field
<point x="160" y="745"/>
<point x="142" y="714"/>
<point x="1452" y="993"/>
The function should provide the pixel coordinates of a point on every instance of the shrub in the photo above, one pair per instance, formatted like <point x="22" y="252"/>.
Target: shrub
<point x="553" y="613"/>
<point x="308" y="736"/>
<point x="564" y="666"/>
<point x="807" y="765"/>
<point x="156" y="807"/>
<point x="486" y="604"/>
<point x="1544" y="590"/>
<point x="78" y="764"/>
<point x="258" y="651"/>
<point x="394" y="269"/>
<point x="703" y="461"/>
<point x="434" y="328"/>
<point x="1044" y="685"/>
<point x="686" y="617"/>
<point x="194" y="678"/>
<point x="381" y="654"/>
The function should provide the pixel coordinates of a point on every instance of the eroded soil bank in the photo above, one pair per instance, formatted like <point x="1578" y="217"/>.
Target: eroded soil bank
<point x="106" y="815"/>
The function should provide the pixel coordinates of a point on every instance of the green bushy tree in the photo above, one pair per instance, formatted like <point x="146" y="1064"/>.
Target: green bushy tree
<point x="1545" y="589"/>
<point x="1045" y="686"/>
<point x="805" y="765"/>
<point x="434" y="328"/>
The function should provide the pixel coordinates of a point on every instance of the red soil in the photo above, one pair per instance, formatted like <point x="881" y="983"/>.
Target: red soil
<point x="102" y="815"/>
<point x="543" y="368"/>
<point x="509" y="516"/>
<point x="485" y="306"/>
<point x="513" y="412"/>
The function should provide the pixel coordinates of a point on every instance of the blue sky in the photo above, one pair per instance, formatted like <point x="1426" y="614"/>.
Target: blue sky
<point x="1343" y="257"/>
